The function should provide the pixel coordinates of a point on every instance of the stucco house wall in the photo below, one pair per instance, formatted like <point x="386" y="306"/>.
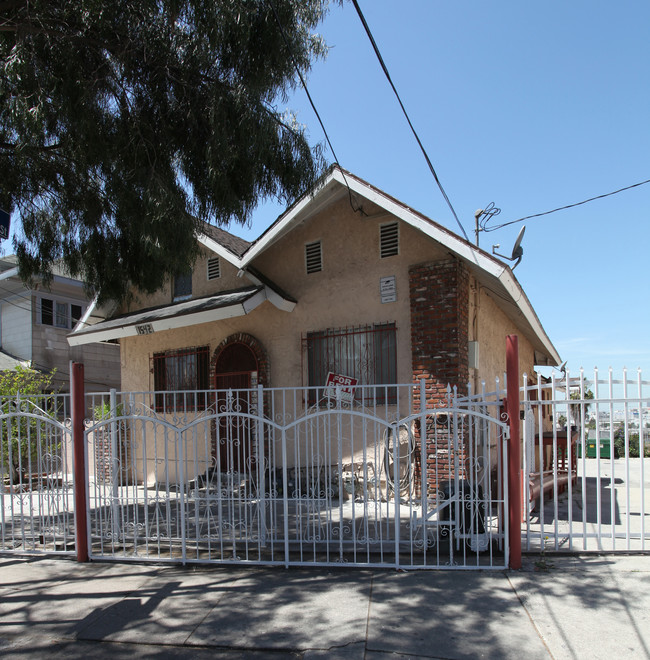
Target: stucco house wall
<point x="447" y="293"/>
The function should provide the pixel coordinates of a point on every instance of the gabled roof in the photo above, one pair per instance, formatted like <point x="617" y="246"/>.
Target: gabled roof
<point x="491" y="272"/>
<point x="338" y="183"/>
<point x="217" y="236"/>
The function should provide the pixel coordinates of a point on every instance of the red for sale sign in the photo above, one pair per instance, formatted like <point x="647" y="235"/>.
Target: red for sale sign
<point x="344" y="385"/>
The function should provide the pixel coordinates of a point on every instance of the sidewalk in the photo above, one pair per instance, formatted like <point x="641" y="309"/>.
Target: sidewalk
<point x="580" y="607"/>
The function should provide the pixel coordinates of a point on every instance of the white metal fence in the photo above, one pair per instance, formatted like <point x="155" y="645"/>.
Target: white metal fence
<point x="36" y="469"/>
<point x="262" y="476"/>
<point x="586" y="462"/>
<point x="259" y="476"/>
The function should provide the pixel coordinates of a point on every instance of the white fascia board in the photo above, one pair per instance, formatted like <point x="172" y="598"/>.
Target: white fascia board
<point x="12" y="272"/>
<point x="272" y="296"/>
<point x="70" y="281"/>
<point x="447" y="239"/>
<point x="283" y="224"/>
<point x="463" y="249"/>
<point x="220" y="250"/>
<point x="518" y="296"/>
<point x="129" y="329"/>
<point x="278" y="301"/>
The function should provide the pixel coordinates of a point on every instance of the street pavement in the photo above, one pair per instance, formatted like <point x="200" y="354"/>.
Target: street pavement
<point x="586" y="606"/>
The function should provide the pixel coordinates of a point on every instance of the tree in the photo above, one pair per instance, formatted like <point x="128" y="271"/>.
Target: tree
<point x="22" y="438"/>
<point x="126" y="125"/>
<point x="580" y="409"/>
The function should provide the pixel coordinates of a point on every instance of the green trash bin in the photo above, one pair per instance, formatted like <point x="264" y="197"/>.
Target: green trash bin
<point x="591" y="449"/>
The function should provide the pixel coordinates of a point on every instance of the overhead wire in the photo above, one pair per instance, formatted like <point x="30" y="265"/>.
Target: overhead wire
<point x="562" y="208"/>
<point x="311" y="101"/>
<point x="408" y="119"/>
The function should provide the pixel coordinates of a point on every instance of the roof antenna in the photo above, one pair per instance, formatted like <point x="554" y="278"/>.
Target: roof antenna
<point x="487" y="214"/>
<point x="562" y="370"/>
<point x="517" y="250"/>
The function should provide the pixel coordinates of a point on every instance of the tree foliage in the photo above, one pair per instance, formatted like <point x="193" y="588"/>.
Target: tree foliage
<point x="125" y="125"/>
<point x="23" y="441"/>
<point x="580" y="409"/>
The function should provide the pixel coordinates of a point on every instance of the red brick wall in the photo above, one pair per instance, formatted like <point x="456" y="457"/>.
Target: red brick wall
<point x="263" y="371"/>
<point x="439" y="295"/>
<point x="245" y="452"/>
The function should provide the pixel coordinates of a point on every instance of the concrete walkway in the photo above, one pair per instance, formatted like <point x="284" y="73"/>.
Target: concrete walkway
<point x="564" y="607"/>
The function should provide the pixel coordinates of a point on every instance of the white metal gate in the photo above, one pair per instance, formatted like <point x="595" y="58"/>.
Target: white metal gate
<point x="36" y="467"/>
<point x="260" y="476"/>
<point x="586" y="463"/>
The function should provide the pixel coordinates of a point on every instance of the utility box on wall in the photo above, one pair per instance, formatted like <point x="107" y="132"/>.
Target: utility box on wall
<point x="472" y="354"/>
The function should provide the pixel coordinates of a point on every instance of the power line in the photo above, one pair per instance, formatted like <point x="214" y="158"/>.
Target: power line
<point x="311" y="102"/>
<point x="426" y="156"/>
<point x="568" y="206"/>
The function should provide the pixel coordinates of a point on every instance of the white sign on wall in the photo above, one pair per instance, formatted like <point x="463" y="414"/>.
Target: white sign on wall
<point x="388" y="289"/>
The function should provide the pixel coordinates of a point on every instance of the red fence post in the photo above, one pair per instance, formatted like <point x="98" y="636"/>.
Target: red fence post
<point x="79" y="449"/>
<point x="514" y="451"/>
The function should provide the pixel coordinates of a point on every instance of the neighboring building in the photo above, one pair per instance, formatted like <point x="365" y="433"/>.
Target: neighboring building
<point x="34" y="324"/>
<point x="347" y="280"/>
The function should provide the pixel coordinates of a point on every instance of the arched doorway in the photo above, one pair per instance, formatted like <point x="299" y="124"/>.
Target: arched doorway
<point x="236" y="374"/>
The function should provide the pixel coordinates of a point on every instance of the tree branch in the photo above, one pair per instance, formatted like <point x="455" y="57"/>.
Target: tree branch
<point x="10" y="146"/>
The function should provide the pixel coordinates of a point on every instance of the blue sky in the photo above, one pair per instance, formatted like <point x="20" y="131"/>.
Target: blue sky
<point x="528" y="105"/>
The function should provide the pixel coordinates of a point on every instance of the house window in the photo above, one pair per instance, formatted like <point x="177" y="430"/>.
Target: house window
<point x="367" y="353"/>
<point x="183" y="286"/>
<point x="47" y="311"/>
<point x="60" y="314"/>
<point x="62" y="319"/>
<point x="76" y="312"/>
<point x="313" y="257"/>
<point x="388" y="240"/>
<point x="177" y="377"/>
<point x="214" y="268"/>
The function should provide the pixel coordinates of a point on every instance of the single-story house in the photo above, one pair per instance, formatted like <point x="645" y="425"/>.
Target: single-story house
<point x="347" y="281"/>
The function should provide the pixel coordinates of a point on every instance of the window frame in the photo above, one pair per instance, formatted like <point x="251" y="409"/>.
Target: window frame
<point x="59" y="313"/>
<point x="182" y="286"/>
<point x="357" y="352"/>
<point x="188" y="390"/>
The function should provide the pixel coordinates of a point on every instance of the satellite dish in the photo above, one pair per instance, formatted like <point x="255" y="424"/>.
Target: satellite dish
<point x="517" y="250"/>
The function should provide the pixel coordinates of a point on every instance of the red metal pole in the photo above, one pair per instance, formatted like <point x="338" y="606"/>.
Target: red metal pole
<point x="78" y="440"/>
<point x="514" y="451"/>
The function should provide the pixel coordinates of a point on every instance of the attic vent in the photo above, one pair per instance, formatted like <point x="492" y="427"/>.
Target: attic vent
<point x="388" y="240"/>
<point x="313" y="257"/>
<point x="214" y="268"/>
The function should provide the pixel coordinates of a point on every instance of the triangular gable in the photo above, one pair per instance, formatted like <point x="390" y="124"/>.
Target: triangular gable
<point x="490" y="271"/>
<point x="336" y="184"/>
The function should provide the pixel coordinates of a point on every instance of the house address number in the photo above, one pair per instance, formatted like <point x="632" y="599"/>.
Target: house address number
<point x="144" y="329"/>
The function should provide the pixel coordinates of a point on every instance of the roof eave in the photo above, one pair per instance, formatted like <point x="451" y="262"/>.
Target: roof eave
<point x="135" y="326"/>
<point x="519" y="298"/>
